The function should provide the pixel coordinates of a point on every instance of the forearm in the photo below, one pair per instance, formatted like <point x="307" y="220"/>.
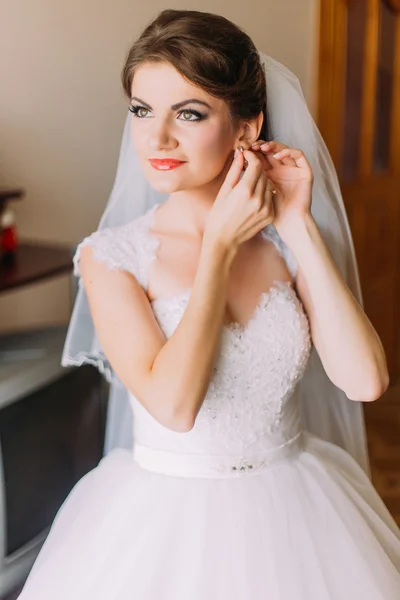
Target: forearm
<point x="182" y="369"/>
<point x="348" y="345"/>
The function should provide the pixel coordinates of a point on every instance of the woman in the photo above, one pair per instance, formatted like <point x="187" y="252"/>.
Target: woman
<point x="207" y="307"/>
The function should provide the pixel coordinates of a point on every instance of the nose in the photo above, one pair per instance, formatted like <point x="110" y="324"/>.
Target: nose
<point x="160" y="137"/>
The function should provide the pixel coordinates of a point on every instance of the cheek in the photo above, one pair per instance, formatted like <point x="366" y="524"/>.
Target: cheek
<point x="136" y="138"/>
<point x="216" y="139"/>
<point x="213" y="145"/>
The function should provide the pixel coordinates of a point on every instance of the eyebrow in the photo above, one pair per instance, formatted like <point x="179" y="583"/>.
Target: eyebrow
<point x="175" y="106"/>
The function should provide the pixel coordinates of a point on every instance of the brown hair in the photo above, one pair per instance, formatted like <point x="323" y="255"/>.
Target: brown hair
<point x="209" y="51"/>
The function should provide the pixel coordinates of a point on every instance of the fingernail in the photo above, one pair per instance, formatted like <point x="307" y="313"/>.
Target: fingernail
<point x="276" y="155"/>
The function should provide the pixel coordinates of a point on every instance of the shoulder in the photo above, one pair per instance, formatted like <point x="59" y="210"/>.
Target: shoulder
<point x="123" y="247"/>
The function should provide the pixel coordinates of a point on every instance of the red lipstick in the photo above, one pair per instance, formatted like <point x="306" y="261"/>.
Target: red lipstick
<point x="165" y="164"/>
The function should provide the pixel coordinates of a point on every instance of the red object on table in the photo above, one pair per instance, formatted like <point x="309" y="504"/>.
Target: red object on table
<point x="9" y="239"/>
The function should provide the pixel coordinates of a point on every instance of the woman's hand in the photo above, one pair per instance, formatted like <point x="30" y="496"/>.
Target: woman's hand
<point x="291" y="176"/>
<point x="243" y="206"/>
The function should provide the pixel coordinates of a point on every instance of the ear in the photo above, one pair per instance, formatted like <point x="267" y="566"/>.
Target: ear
<point x="250" y="131"/>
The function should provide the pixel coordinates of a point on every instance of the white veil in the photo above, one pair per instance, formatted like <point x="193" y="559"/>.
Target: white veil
<point x="326" y="410"/>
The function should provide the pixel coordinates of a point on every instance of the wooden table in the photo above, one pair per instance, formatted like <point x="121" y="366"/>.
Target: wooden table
<point x="32" y="263"/>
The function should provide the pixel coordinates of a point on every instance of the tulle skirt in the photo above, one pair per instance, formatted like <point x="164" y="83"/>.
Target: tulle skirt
<point x="310" y="528"/>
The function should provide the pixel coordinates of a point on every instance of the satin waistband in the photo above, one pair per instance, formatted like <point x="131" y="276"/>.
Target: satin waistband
<point x="199" y="465"/>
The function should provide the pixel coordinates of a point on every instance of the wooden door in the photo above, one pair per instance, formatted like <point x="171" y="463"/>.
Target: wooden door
<point x="359" y="117"/>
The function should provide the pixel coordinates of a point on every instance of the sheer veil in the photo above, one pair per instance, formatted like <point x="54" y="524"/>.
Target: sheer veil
<point x="326" y="411"/>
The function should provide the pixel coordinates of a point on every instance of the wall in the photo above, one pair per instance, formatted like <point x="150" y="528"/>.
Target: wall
<point x="62" y="111"/>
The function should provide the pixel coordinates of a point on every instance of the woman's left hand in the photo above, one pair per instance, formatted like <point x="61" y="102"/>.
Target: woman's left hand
<point x="290" y="174"/>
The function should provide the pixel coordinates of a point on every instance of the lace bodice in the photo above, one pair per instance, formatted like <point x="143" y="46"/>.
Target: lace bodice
<point x="251" y="402"/>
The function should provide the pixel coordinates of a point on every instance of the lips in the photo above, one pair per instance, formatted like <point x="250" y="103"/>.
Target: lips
<point x="166" y="162"/>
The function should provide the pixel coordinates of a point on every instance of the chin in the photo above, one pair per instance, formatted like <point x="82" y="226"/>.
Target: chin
<point x="163" y="185"/>
<point x="168" y="183"/>
<point x="164" y="188"/>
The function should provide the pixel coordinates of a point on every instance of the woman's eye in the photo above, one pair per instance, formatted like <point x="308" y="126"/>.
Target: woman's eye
<point x="192" y="113"/>
<point x="136" y="109"/>
<point x="137" y="112"/>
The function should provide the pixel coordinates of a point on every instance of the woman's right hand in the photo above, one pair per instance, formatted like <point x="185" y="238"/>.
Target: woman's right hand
<point x="243" y="206"/>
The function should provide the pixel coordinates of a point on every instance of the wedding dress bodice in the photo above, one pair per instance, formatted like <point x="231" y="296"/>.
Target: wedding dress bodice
<point x="251" y="404"/>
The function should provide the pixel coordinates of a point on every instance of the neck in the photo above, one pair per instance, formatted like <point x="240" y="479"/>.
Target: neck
<point x="194" y="205"/>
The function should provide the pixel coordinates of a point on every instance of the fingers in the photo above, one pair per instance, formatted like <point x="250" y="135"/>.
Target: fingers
<point x="260" y="191"/>
<point x="233" y="176"/>
<point x="256" y="145"/>
<point x="264" y="160"/>
<point x="271" y="148"/>
<point x="264" y="203"/>
<point x="252" y="173"/>
<point x="295" y="155"/>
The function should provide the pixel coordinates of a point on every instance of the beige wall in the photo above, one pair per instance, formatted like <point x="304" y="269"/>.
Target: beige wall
<point x="62" y="110"/>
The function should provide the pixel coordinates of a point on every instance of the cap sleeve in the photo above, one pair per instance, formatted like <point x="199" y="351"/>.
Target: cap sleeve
<point x="271" y="234"/>
<point x="128" y="247"/>
<point x="119" y="248"/>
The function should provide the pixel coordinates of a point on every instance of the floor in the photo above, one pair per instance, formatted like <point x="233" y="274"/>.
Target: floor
<point x="383" y="431"/>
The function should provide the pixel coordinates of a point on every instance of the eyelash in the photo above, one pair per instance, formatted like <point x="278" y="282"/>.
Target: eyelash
<point x="135" y="108"/>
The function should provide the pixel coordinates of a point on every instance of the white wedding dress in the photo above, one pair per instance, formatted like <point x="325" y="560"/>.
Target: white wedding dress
<point x="245" y="506"/>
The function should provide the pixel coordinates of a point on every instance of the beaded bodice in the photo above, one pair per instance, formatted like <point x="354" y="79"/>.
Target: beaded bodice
<point x="251" y="403"/>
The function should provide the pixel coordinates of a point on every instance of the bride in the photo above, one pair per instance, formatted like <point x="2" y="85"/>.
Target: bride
<point x="225" y="306"/>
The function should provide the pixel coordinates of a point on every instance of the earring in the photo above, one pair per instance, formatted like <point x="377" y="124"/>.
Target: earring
<point x="241" y="149"/>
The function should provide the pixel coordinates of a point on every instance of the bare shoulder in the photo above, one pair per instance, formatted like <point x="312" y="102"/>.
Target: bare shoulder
<point x="113" y="289"/>
<point x="124" y="321"/>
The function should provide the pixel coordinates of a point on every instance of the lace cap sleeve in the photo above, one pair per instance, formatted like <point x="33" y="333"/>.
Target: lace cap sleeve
<point x="119" y="247"/>
<point x="271" y="234"/>
<point x="126" y="247"/>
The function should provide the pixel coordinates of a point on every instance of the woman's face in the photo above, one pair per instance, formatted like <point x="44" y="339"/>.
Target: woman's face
<point x="200" y="133"/>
